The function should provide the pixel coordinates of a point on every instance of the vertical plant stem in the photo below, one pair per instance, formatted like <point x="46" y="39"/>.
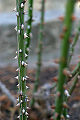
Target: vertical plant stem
<point x="18" y="40"/>
<point x="74" y="43"/>
<point x="39" y="51"/>
<point x="64" y="58"/>
<point x="74" y="84"/>
<point x="21" y="60"/>
<point x="29" y="26"/>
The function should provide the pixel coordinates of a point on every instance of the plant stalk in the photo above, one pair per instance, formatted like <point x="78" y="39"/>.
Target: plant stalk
<point x="64" y="58"/>
<point x="39" y="60"/>
<point x="29" y="27"/>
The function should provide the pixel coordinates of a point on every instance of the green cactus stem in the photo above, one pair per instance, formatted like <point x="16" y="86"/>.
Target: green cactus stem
<point x="39" y="51"/>
<point x="29" y="26"/>
<point x="64" y="58"/>
<point x="21" y="60"/>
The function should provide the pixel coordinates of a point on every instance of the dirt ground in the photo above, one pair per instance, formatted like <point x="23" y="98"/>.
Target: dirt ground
<point x="8" y="112"/>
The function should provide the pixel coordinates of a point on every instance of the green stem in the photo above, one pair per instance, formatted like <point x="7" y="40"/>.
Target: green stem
<point x="18" y="40"/>
<point x="74" y="43"/>
<point x="39" y="52"/>
<point x="76" y="69"/>
<point x="74" y="84"/>
<point x="29" y="27"/>
<point x="21" y="59"/>
<point x="64" y="58"/>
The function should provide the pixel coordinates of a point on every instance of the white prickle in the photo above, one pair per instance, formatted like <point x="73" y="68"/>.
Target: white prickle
<point x="25" y="35"/>
<point x="67" y="93"/>
<point x="23" y="111"/>
<point x="16" y="77"/>
<point x="22" y="26"/>
<point x="22" y="5"/>
<point x="20" y="50"/>
<point x="15" y="28"/>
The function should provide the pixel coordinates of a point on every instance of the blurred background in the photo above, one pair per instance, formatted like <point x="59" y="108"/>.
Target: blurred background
<point x="51" y="47"/>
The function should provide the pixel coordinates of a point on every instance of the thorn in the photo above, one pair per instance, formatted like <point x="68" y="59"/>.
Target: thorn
<point x="23" y="111"/>
<point x="24" y="78"/>
<point x="21" y="101"/>
<point x="17" y="85"/>
<point x="18" y="31"/>
<point x="28" y="26"/>
<point x="28" y="108"/>
<point x="26" y="113"/>
<point x="21" y="93"/>
<point x="25" y="35"/>
<point x="14" y="9"/>
<point x="22" y="26"/>
<point x="18" y="116"/>
<point x="27" y="77"/>
<point x="26" y="55"/>
<point x="16" y="52"/>
<point x="27" y="100"/>
<point x="23" y="63"/>
<point x="16" y="77"/>
<point x="27" y="87"/>
<point x="15" y="57"/>
<point x="18" y="99"/>
<point x="17" y="14"/>
<point x="65" y="105"/>
<point x="17" y="69"/>
<point x="20" y="51"/>
<point x="18" y="104"/>
<point x="67" y="73"/>
<point x="67" y="93"/>
<point x="15" y="28"/>
<point x="62" y="117"/>
<point x="67" y="116"/>
<point x="22" y="5"/>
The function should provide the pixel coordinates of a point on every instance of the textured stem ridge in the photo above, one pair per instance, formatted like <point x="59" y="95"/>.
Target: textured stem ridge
<point x="64" y="58"/>
<point x="39" y="51"/>
<point x="29" y="26"/>
<point x="22" y="101"/>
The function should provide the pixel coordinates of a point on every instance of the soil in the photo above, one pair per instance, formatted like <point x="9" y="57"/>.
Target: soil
<point x="8" y="112"/>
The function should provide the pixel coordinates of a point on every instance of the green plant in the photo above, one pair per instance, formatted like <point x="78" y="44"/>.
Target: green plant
<point x="39" y="60"/>
<point x="64" y="58"/>
<point x="22" y="100"/>
<point x="29" y="26"/>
